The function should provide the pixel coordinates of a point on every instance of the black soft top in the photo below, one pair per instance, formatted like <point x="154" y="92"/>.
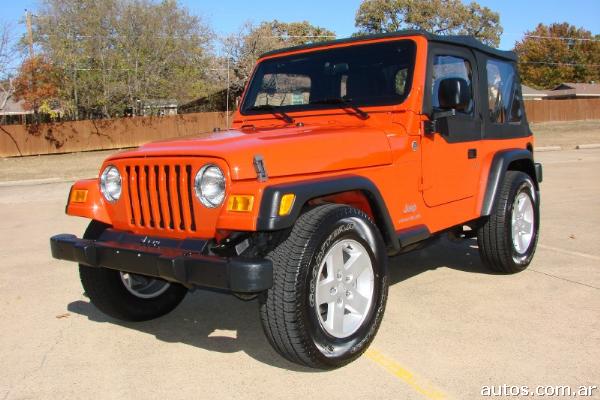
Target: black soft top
<point x="460" y="40"/>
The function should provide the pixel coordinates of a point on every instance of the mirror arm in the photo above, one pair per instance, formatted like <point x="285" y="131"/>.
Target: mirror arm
<point x="431" y="125"/>
<point x="443" y="114"/>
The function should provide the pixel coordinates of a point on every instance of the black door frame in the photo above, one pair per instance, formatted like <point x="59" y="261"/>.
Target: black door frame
<point x="466" y="128"/>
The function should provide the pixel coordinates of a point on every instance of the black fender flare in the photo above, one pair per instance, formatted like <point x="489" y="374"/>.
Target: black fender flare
<point x="270" y="220"/>
<point x="498" y="168"/>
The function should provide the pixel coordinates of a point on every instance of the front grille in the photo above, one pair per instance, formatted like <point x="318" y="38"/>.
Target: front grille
<point x="160" y="196"/>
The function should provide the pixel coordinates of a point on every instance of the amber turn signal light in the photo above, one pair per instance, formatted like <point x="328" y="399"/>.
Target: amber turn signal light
<point x="78" y="196"/>
<point x="287" y="201"/>
<point x="240" y="203"/>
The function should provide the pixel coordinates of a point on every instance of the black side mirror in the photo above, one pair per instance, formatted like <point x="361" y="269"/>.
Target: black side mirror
<point x="454" y="94"/>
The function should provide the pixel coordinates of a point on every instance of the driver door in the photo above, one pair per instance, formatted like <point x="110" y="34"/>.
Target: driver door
<point x="450" y="156"/>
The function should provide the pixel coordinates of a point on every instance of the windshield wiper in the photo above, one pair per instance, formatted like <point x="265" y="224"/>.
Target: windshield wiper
<point x="274" y="111"/>
<point x="345" y="103"/>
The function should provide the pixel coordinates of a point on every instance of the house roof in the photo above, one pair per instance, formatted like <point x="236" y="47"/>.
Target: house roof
<point x="579" y="89"/>
<point x="564" y="91"/>
<point x="531" y="92"/>
<point x="12" y="107"/>
<point x="159" y="103"/>
<point x="460" y="40"/>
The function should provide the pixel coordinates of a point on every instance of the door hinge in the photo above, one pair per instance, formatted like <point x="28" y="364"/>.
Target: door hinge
<point x="430" y="127"/>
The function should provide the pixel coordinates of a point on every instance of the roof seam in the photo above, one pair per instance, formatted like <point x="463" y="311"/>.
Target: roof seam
<point x="460" y="40"/>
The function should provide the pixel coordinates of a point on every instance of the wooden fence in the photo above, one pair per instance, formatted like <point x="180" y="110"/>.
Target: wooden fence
<point x="562" y="110"/>
<point x="68" y="137"/>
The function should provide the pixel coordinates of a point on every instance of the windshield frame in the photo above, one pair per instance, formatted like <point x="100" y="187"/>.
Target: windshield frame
<point x="245" y="109"/>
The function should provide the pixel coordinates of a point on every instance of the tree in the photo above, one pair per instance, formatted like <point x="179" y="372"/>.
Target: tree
<point x="37" y="83"/>
<point x="552" y="54"/>
<point x="7" y="55"/>
<point x="244" y="48"/>
<point x="442" y="17"/>
<point x="115" y="52"/>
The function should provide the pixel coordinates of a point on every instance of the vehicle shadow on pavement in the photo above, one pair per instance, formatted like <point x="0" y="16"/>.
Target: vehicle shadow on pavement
<point x="207" y="320"/>
<point x="222" y="323"/>
<point x="461" y="256"/>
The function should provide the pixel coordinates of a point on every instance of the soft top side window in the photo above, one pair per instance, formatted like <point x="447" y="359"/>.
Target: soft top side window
<point x="504" y="99"/>
<point x="444" y="67"/>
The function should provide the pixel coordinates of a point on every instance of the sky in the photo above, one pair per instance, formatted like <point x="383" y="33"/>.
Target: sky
<point x="226" y="16"/>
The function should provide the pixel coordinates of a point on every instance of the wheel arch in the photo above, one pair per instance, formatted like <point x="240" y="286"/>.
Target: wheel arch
<point x="508" y="160"/>
<point x="357" y="191"/>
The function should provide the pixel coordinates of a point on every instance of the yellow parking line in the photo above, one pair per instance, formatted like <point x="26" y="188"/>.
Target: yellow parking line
<point x="404" y="375"/>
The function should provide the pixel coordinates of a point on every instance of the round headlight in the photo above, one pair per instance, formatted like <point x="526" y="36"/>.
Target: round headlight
<point x="110" y="183"/>
<point x="210" y="186"/>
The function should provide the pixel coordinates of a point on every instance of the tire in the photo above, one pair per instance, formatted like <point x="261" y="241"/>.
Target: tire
<point x="500" y="249"/>
<point x="296" y="325"/>
<point x="107" y="290"/>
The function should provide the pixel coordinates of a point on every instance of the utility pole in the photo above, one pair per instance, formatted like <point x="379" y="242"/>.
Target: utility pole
<point x="30" y="40"/>
<point x="227" y="100"/>
<point x="29" y="32"/>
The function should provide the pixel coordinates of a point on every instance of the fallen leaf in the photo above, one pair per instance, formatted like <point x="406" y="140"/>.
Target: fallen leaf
<point x="65" y="315"/>
<point x="572" y="236"/>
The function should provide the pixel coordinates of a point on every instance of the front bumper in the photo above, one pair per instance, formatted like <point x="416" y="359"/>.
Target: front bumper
<point x="178" y="261"/>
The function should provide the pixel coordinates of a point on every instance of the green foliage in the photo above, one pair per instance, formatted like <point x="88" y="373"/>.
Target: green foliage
<point x="547" y="58"/>
<point x="113" y="52"/>
<point x="442" y="17"/>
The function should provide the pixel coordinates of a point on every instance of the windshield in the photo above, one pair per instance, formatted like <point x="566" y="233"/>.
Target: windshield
<point x="358" y="75"/>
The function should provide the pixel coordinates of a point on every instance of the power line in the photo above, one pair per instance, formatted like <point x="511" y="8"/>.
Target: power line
<point x="548" y="37"/>
<point x="225" y="69"/>
<point x="302" y="36"/>
<point x="560" y="64"/>
<point x="562" y="38"/>
<point x="185" y="37"/>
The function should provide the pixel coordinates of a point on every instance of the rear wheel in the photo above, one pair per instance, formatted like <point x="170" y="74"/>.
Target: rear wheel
<point x="329" y="290"/>
<point x="126" y="296"/>
<point x="508" y="238"/>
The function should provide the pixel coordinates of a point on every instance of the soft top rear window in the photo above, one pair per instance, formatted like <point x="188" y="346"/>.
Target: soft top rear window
<point x="360" y="75"/>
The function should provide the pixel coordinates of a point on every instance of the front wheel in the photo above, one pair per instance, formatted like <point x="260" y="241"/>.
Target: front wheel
<point x="329" y="290"/>
<point x="507" y="240"/>
<point x="125" y="296"/>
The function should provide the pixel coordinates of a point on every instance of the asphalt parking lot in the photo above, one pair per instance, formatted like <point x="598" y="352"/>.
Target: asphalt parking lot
<point x="450" y="327"/>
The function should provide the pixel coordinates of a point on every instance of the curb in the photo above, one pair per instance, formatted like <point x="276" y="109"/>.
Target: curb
<point x="548" y="148"/>
<point x="27" y="182"/>
<point x="588" y="146"/>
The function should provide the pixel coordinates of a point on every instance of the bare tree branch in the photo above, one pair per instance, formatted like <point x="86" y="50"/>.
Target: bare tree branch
<point x="7" y="57"/>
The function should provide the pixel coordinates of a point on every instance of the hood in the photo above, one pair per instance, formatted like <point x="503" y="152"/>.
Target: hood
<point x="285" y="151"/>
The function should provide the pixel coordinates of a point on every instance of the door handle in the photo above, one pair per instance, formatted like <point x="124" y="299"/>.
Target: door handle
<point x="472" y="153"/>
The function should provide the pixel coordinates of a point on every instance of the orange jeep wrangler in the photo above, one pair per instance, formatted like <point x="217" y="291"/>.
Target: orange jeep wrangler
<point x="341" y="154"/>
